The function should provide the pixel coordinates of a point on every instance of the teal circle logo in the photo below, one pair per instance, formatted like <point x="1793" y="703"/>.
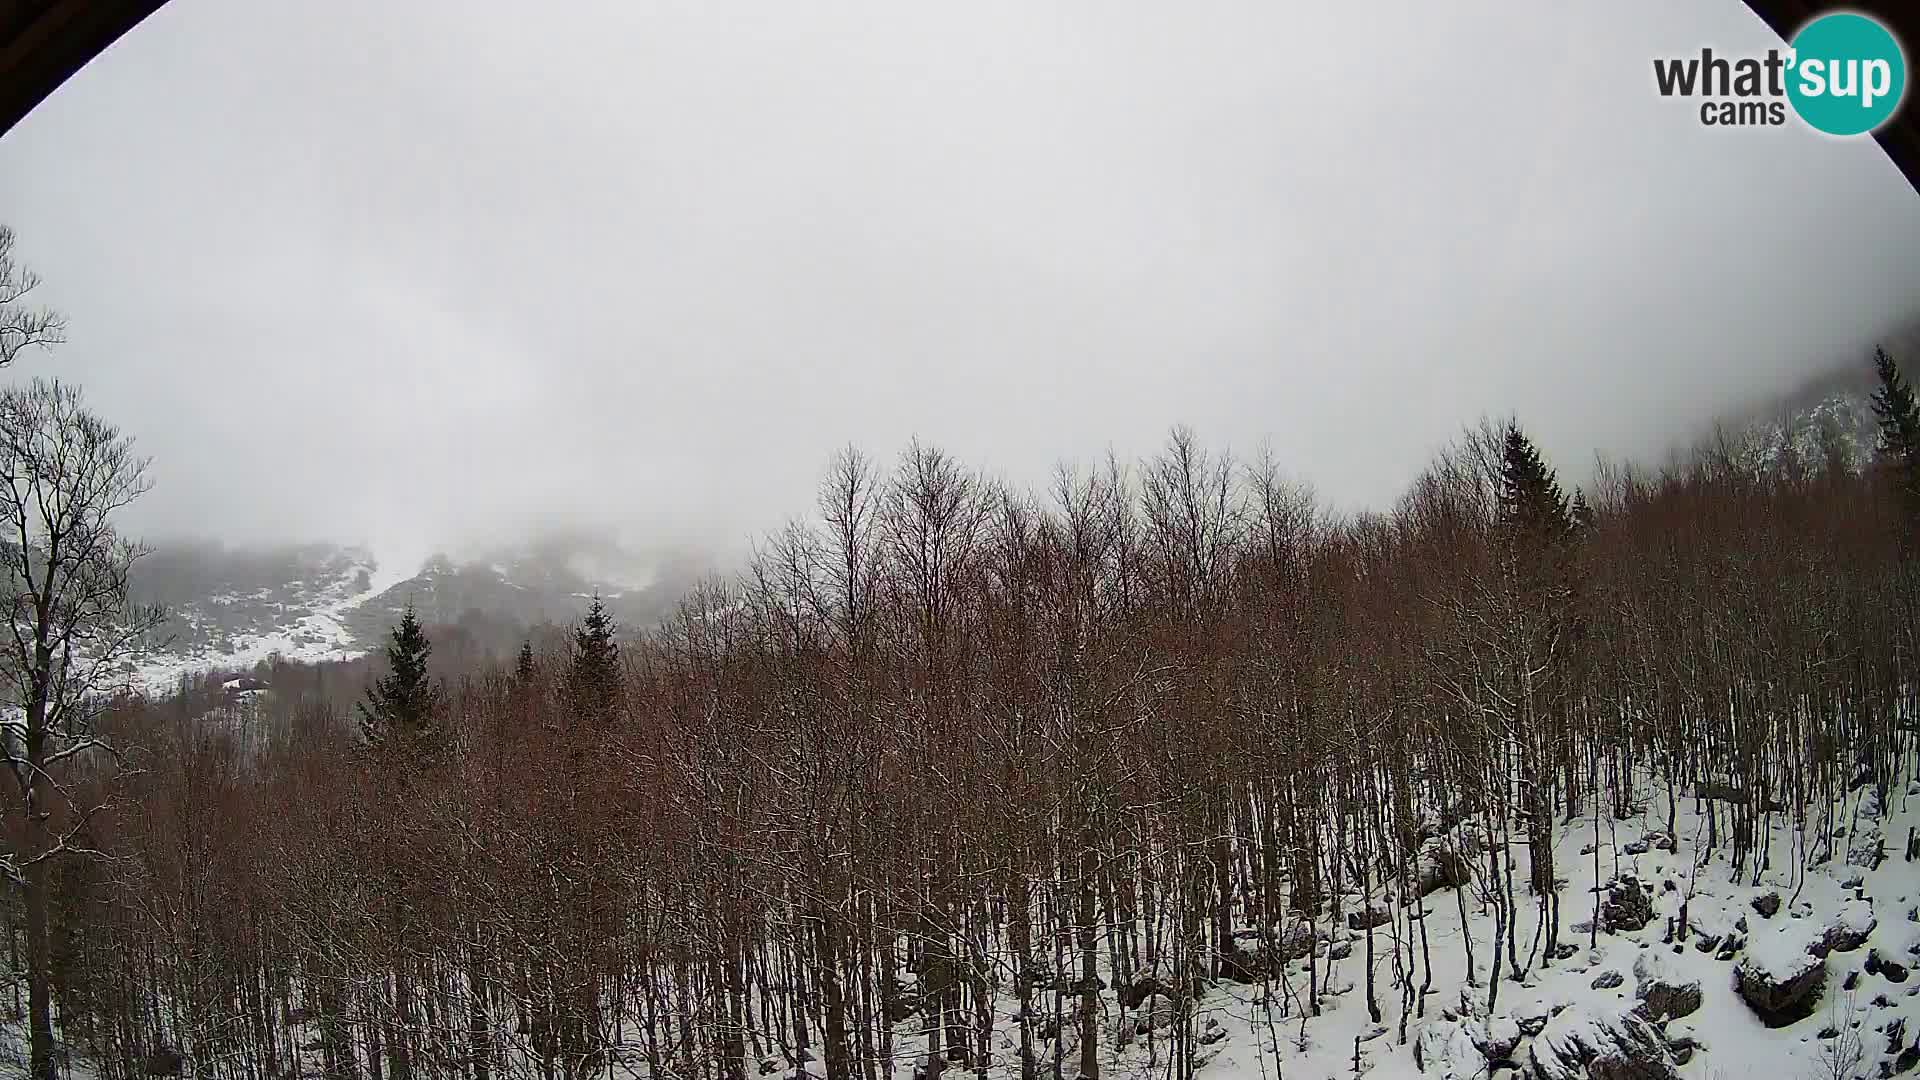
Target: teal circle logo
<point x="1847" y="74"/>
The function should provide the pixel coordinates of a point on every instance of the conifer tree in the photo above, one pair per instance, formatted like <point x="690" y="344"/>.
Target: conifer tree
<point x="404" y="707"/>
<point x="1899" y="419"/>
<point x="1537" y="530"/>
<point x="1532" y="507"/>
<point x="593" y="680"/>
<point x="523" y="667"/>
<point x="1579" y="514"/>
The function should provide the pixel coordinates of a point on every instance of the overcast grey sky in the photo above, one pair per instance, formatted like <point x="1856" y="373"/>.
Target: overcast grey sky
<point x="414" y="272"/>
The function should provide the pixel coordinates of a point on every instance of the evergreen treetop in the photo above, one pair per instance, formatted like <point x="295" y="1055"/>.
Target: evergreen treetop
<point x="403" y="707"/>
<point x="1532" y="506"/>
<point x="1898" y="454"/>
<point x="1579" y="514"/>
<point x="1893" y="405"/>
<point x="593" y="679"/>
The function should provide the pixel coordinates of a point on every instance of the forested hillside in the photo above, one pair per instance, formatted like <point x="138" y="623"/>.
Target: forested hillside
<point x="1161" y="763"/>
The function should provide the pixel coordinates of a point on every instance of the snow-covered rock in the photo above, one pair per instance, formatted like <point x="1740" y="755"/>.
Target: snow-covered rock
<point x="1653" y="841"/>
<point x="1446" y="1049"/>
<point x="1532" y="1018"/>
<point x="1498" y="1038"/>
<point x="1239" y="963"/>
<point x="1296" y="940"/>
<point x="1867" y="845"/>
<point x="1157" y="1014"/>
<point x="1665" y="992"/>
<point x="1584" y="1044"/>
<point x="1848" y="930"/>
<point x="1684" y="1040"/>
<point x="1780" y="975"/>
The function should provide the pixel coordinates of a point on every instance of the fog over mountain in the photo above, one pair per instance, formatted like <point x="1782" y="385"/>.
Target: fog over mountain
<point x="434" y="276"/>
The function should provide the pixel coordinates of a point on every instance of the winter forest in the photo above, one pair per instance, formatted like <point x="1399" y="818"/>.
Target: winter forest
<point x="1163" y="769"/>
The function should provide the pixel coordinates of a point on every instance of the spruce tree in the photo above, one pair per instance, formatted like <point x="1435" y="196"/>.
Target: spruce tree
<point x="593" y="679"/>
<point x="402" y="710"/>
<point x="1536" y="531"/>
<point x="523" y="667"/>
<point x="1899" y="451"/>
<point x="1536" y="526"/>
<point x="1532" y="507"/>
<point x="1579" y="514"/>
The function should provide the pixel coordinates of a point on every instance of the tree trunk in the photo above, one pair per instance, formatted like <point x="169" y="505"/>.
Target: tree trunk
<point x="1089" y="958"/>
<point x="39" y="963"/>
<point x="834" y="994"/>
<point x="478" y="1031"/>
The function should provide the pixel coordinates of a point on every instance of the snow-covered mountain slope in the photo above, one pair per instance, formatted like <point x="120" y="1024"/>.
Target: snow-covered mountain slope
<point x="230" y="609"/>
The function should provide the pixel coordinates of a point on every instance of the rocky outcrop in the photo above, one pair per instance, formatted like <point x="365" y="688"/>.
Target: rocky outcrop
<point x="1441" y="866"/>
<point x="1653" y="841"/>
<point x="1627" y="907"/>
<point x="1532" y="1018"/>
<point x="1368" y="918"/>
<point x="1242" y="965"/>
<point x="1891" y="970"/>
<point x="1866" y="847"/>
<point x="1499" y="1039"/>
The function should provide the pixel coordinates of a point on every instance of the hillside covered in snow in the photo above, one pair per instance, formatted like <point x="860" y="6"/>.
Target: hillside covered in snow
<point x="230" y="609"/>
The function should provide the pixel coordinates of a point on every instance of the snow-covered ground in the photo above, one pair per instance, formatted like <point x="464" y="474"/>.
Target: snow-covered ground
<point x="1662" y="998"/>
<point x="1579" y="1004"/>
<point x="1864" y="1015"/>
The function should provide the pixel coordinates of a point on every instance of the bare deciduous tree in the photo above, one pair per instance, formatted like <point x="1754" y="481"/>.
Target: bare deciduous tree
<point x="66" y="474"/>
<point x="22" y="325"/>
